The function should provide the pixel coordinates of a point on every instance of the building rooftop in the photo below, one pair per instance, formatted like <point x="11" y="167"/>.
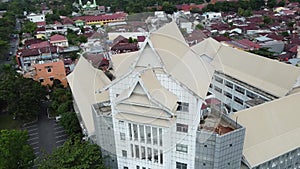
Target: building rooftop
<point x="272" y="129"/>
<point x="85" y="81"/>
<point x="255" y="102"/>
<point x="57" y="37"/>
<point x="102" y="108"/>
<point x="214" y="120"/>
<point x="90" y="18"/>
<point x="270" y="76"/>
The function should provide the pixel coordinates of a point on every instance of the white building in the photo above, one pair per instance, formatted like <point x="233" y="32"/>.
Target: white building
<point x="155" y="113"/>
<point x="212" y="15"/>
<point x="36" y="17"/>
<point x="152" y="116"/>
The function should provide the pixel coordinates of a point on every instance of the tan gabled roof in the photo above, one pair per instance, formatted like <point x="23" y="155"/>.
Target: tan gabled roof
<point x="181" y="61"/>
<point x="123" y="62"/>
<point x="272" y="76"/>
<point x="148" y="57"/>
<point x="157" y="92"/>
<point x="168" y="50"/>
<point x="208" y="47"/>
<point x="269" y="75"/>
<point x="272" y="129"/>
<point x="171" y="29"/>
<point x="148" y="92"/>
<point x="84" y="82"/>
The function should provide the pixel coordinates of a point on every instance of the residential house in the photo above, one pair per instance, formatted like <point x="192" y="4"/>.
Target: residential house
<point x="36" y="17"/>
<point x="59" y="40"/>
<point x="122" y="45"/>
<point x="196" y="36"/>
<point x="28" y="57"/>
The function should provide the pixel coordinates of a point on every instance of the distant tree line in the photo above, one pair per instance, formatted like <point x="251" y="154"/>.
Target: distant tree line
<point x="248" y="5"/>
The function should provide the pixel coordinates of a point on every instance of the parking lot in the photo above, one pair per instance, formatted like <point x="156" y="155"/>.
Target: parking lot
<point x="33" y="137"/>
<point x="60" y="135"/>
<point x="45" y="134"/>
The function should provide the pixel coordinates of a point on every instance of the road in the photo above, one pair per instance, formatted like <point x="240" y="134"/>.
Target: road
<point x="14" y="43"/>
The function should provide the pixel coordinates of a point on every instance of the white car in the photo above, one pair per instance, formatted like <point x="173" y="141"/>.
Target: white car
<point x="57" y="118"/>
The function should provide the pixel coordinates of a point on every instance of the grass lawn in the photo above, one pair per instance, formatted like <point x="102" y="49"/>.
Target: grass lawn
<point x="6" y="122"/>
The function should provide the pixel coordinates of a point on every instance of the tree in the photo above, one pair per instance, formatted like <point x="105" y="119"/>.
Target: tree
<point x="130" y="40"/>
<point x="70" y="123"/>
<point x="168" y="7"/>
<point x="267" y="20"/>
<point x="61" y="100"/>
<point x="82" y="39"/>
<point x="29" y="27"/>
<point x="264" y="52"/>
<point x="14" y="149"/>
<point x="23" y="96"/>
<point x="281" y="3"/>
<point x="51" y="18"/>
<point x="199" y="26"/>
<point x="74" y="154"/>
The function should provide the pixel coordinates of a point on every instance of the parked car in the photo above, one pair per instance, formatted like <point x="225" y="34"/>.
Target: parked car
<point x="57" y="118"/>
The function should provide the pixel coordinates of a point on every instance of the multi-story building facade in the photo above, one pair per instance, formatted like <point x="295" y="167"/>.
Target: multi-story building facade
<point x="102" y="19"/>
<point x="46" y="73"/>
<point x="155" y="113"/>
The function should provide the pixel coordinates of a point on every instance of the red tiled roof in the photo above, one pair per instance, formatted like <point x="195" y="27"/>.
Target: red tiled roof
<point x="210" y="102"/>
<point x="196" y="36"/>
<point x="37" y="51"/>
<point x="32" y="41"/>
<point x="250" y="27"/>
<point x="275" y="37"/>
<point x="295" y="41"/>
<point x="294" y="49"/>
<point x="67" y="20"/>
<point x="256" y="20"/>
<point x="221" y="38"/>
<point x="248" y="43"/>
<point x="128" y="46"/>
<point x="119" y="39"/>
<point x="219" y="26"/>
<point x="39" y="24"/>
<point x="40" y="29"/>
<point x="57" y="23"/>
<point x="95" y="59"/>
<point x="39" y="45"/>
<point x="141" y="38"/>
<point x="57" y="37"/>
